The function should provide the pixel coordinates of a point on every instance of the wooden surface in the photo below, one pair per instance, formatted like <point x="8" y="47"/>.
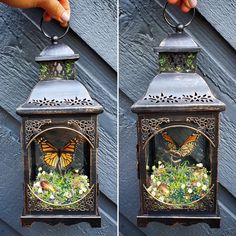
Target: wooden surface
<point x="141" y="29"/>
<point x="21" y="41"/>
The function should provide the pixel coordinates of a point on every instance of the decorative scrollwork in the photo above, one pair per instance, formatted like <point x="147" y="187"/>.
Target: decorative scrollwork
<point x="149" y="126"/>
<point x="32" y="127"/>
<point x="185" y="98"/>
<point x="86" y="127"/>
<point x="86" y="204"/>
<point x="206" y="125"/>
<point x="205" y="204"/>
<point x="44" y="102"/>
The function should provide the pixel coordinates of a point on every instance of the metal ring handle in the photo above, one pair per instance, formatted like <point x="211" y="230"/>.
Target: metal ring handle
<point x="53" y="38"/>
<point x="175" y="26"/>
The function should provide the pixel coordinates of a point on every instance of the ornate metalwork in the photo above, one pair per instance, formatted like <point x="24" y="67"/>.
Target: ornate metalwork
<point x="33" y="127"/>
<point x="178" y="62"/>
<point x="205" y="204"/>
<point x="206" y="125"/>
<point x="150" y="126"/>
<point x="57" y="69"/>
<point x="86" y="127"/>
<point x="86" y="203"/>
<point x="66" y="102"/>
<point x="185" y="98"/>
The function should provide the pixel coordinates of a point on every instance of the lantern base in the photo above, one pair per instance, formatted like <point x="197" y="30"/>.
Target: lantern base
<point x="213" y="221"/>
<point x="93" y="220"/>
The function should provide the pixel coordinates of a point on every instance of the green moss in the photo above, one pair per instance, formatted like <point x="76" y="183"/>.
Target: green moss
<point x="43" y="71"/>
<point x="179" y="184"/>
<point x="60" y="189"/>
<point x="177" y="62"/>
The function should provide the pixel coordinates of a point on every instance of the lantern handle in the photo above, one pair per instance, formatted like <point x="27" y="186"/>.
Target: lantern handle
<point x="54" y="38"/>
<point x="179" y="27"/>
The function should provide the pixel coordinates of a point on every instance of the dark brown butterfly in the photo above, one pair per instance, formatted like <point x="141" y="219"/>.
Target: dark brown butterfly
<point x="185" y="149"/>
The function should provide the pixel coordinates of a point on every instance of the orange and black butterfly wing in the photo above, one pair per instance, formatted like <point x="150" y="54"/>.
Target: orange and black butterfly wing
<point x="50" y="153"/>
<point x="67" y="153"/>
<point x="189" y="145"/>
<point x="170" y="142"/>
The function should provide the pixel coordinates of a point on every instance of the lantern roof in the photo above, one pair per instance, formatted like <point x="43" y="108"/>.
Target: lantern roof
<point x="178" y="87"/>
<point x="58" y="91"/>
<point x="178" y="42"/>
<point x="170" y="92"/>
<point x="59" y="97"/>
<point x="59" y="51"/>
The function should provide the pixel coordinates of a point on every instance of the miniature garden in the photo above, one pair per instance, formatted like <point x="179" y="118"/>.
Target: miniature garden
<point x="179" y="184"/>
<point x="57" y="189"/>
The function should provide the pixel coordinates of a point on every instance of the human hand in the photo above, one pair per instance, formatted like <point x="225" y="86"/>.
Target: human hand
<point x="56" y="9"/>
<point x="185" y="5"/>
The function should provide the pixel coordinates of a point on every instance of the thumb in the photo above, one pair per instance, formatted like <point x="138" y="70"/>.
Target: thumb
<point x="55" y="10"/>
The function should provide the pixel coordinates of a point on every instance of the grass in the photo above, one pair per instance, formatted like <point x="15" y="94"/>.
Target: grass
<point x="179" y="184"/>
<point x="60" y="189"/>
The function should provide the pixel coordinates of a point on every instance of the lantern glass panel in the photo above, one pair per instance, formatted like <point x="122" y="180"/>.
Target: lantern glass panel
<point x="59" y="167"/>
<point x="178" y="166"/>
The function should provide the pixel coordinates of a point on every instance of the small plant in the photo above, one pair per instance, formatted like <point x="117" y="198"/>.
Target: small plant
<point x="60" y="189"/>
<point x="179" y="184"/>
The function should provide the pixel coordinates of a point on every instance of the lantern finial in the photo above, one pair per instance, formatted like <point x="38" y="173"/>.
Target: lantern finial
<point x="180" y="27"/>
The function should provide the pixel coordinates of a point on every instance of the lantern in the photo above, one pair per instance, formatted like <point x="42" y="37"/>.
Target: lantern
<point x="59" y="135"/>
<point x="178" y="139"/>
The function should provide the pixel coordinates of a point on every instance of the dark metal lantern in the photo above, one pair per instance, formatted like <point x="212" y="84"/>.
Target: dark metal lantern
<point x="60" y="141"/>
<point x="178" y="138"/>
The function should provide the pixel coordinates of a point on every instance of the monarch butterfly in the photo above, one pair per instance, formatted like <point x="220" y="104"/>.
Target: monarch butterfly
<point x="54" y="157"/>
<point x="185" y="149"/>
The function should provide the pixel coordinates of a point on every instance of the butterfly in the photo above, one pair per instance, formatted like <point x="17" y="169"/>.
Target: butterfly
<point x="185" y="149"/>
<point x="54" y="157"/>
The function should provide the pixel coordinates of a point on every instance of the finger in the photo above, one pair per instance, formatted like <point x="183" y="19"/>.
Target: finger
<point x="173" y="2"/>
<point x="66" y="5"/>
<point x="190" y="3"/>
<point x="46" y="17"/>
<point x="55" y="10"/>
<point x="185" y="8"/>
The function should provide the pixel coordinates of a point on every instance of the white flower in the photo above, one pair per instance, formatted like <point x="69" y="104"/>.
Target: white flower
<point x="37" y="185"/>
<point x="43" y="173"/>
<point x="84" y="190"/>
<point x="154" y="167"/>
<point x="85" y="177"/>
<point x="205" y="176"/>
<point x="200" y="165"/>
<point x="77" y="171"/>
<point x="80" y="191"/>
<point x="153" y="193"/>
<point x="52" y="197"/>
<point x="159" y="162"/>
<point x="40" y="190"/>
<point x="147" y="167"/>
<point x="161" y="166"/>
<point x="39" y="174"/>
<point x="158" y="183"/>
<point x="51" y="173"/>
<point x="198" y="184"/>
<point x="190" y="190"/>
<point x="183" y="186"/>
<point x="152" y="176"/>
<point x="204" y="187"/>
<point x="161" y="198"/>
<point x="67" y="195"/>
<point x="155" y="189"/>
<point x="149" y="189"/>
<point x="40" y="169"/>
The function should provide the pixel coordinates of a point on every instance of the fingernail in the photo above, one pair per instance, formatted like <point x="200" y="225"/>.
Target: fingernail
<point x="65" y="17"/>
<point x="192" y="3"/>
